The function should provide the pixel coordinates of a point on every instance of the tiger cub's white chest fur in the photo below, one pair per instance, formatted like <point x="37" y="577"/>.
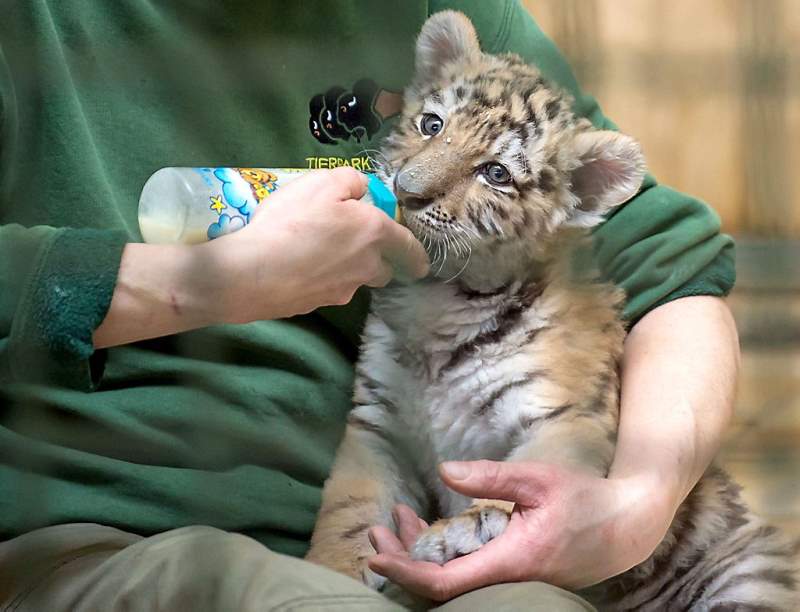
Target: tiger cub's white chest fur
<point x="441" y="369"/>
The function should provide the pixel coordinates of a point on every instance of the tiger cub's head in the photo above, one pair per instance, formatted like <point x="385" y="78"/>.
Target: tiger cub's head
<point x="489" y="163"/>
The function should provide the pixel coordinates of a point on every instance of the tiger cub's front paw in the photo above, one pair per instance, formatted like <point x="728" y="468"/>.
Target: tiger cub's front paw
<point x="453" y="537"/>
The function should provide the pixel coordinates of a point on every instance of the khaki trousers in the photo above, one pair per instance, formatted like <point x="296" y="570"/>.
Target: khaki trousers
<point x="86" y="567"/>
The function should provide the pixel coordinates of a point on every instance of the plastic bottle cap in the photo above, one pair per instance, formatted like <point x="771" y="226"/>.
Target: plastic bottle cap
<point x="382" y="196"/>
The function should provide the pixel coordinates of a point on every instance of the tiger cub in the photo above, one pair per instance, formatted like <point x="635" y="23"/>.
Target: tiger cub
<point x="509" y="350"/>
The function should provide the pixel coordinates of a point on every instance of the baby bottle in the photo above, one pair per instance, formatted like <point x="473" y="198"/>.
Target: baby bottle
<point x="190" y="205"/>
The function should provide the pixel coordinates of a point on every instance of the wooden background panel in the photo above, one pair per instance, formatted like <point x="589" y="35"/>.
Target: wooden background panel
<point x="711" y="89"/>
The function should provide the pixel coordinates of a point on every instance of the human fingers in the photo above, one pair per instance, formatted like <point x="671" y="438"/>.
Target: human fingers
<point x="347" y="183"/>
<point x="381" y="275"/>
<point x="409" y="525"/>
<point x="339" y="184"/>
<point x="520" y="482"/>
<point x="487" y="566"/>
<point x="384" y="541"/>
<point x="404" y="251"/>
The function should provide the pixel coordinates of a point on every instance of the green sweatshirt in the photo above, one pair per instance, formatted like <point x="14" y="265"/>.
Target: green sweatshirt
<point x="232" y="426"/>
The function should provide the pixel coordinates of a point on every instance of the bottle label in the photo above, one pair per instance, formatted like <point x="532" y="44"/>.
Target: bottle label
<point x="236" y="192"/>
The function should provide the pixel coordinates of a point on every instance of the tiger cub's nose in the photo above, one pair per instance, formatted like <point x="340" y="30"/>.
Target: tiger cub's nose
<point x="410" y="195"/>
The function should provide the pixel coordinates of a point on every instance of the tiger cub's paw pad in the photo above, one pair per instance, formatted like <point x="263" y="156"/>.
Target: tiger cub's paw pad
<point x="449" y="538"/>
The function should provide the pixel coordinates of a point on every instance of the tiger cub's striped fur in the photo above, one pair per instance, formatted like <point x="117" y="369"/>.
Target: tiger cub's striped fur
<point x="509" y="350"/>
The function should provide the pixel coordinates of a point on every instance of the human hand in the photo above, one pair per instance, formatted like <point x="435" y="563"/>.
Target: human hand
<point x="567" y="528"/>
<point x="314" y="244"/>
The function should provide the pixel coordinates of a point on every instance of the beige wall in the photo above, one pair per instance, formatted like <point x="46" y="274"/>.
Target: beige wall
<point x="710" y="88"/>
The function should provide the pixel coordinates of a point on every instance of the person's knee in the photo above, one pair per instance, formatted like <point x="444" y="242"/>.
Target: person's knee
<point x="202" y="568"/>
<point x="206" y="548"/>
<point x="193" y="564"/>
<point x="205" y="540"/>
<point x="519" y="596"/>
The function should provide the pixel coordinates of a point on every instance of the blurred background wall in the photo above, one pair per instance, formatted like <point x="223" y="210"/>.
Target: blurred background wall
<point x="712" y="91"/>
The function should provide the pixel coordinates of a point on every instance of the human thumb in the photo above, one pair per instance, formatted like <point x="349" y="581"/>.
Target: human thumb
<point x="517" y="482"/>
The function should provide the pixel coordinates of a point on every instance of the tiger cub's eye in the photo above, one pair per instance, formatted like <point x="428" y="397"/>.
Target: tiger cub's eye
<point x="497" y="174"/>
<point x="431" y="124"/>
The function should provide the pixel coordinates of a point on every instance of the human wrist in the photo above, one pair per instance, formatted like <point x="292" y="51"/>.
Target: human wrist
<point x="222" y="293"/>
<point x="646" y="508"/>
<point x="160" y="290"/>
<point x="241" y="286"/>
<point x="179" y="281"/>
<point x="652" y="475"/>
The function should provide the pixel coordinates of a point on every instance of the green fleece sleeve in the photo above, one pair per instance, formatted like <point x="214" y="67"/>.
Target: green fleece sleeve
<point x="55" y="289"/>
<point x="659" y="246"/>
<point x="55" y="284"/>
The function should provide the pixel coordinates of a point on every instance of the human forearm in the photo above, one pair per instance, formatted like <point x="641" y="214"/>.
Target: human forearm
<point x="313" y="246"/>
<point x="678" y="382"/>
<point x="161" y="290"/>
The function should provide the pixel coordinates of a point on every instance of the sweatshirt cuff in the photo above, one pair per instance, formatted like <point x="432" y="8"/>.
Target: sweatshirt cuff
<point x="716" y="280"/>
<point x="65" y="299"/>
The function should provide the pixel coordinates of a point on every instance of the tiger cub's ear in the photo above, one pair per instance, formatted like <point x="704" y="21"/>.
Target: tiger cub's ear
<point x="610" y="171"/>
<point x="446" y="37"/>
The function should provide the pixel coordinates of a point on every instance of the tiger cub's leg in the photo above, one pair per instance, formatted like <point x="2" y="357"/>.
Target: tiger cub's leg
<point x="716" y="555"/>
<point x="577" y="439"/>
<point x="365" y="484"/>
